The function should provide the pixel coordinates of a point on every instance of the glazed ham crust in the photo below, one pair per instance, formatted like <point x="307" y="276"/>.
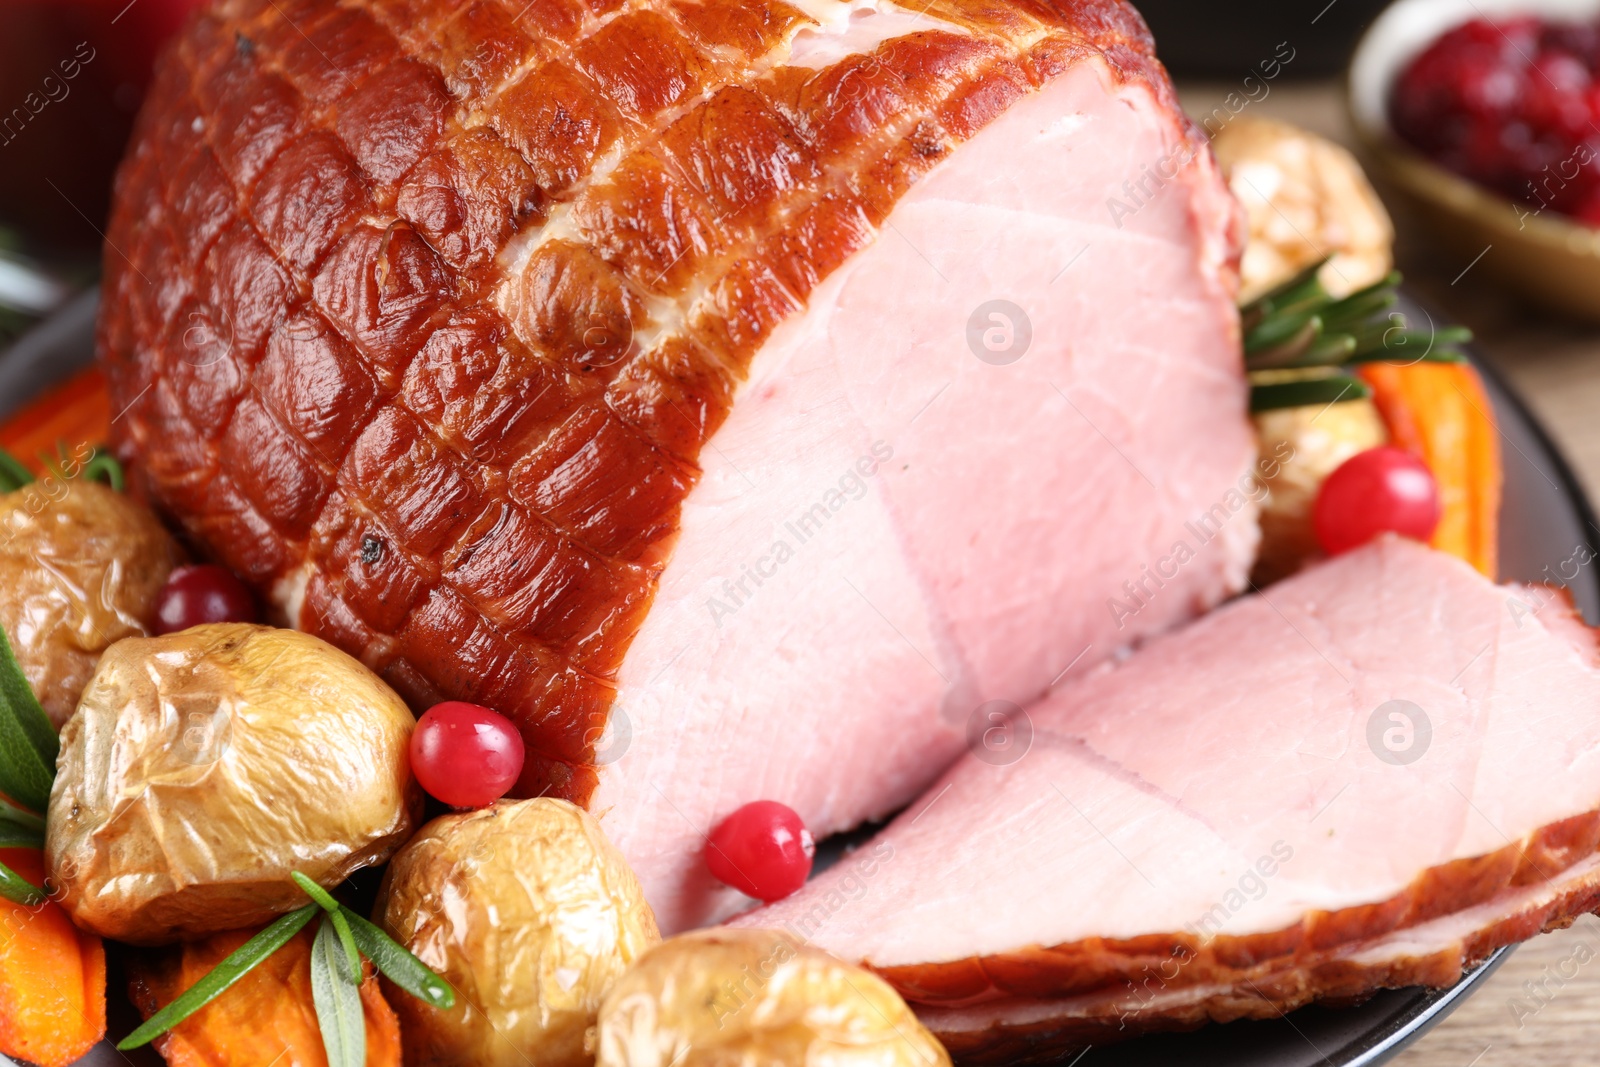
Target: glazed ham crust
<point x="419" y="313"/>
<point x="1102" y="991"/>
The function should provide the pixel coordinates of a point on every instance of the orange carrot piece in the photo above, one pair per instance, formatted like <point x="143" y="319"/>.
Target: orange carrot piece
<point x="267" y="1017"/>
<point x="1441" y="412"/>
<point x="76" y="413"/>
<point x="52" y="977"/>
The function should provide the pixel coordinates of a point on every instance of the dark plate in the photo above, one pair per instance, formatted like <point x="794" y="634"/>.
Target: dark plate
<point x="1545" y="519"/>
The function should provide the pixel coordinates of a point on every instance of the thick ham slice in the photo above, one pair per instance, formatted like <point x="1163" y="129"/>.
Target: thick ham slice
<point x="1240" y="819"/>
<point x="741" y="395"/>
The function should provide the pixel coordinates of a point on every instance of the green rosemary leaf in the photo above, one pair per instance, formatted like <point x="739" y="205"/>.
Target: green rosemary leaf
<point x="15" y="836"/>
<point x="28" y="746"/>
<point x="1300" y="325"/>
<point x="11" y="815"/>
<point x="1359" y="309"/>
<point x="323" y="898"/>
<point x="1294" y="394"/>
<point x="103" y="467"/>
<point x="1401" y="344"/>
<point x="13" y="475"/>
<point x="18" y="889"/>
<point x="398" y="965"/>
<point x="352" y="954"/>
<point x="337" y="996"/>
<point x="1302" y="292"/>
<point x="1329" y="351"/>
<point x="1384" y="286"/>
<point x="238" y="964"/>
<point x="1282" y="331"/>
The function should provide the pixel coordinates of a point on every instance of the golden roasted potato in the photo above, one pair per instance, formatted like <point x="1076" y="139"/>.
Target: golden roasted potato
<point x="1300" y="447"/>
<point x="81" y="566"/>
<point x="531" y="914"/>
<point x="1305" y="198"/>
<point x="204" y="767"/>
<point x="757" y="998"/>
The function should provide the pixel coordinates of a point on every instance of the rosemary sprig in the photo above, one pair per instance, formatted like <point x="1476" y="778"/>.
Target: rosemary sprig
<point x="101" y="466"/>
<point x="397" y="964"/>
<point x="1329" y="389"/>
<point x="1302" y="329"/>
<point x="238" y="964"/>
<point x="343" y="938"/>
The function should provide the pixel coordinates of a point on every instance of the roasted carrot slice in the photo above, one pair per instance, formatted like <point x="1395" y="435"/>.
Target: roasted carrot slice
<point x="52" y="977"/>
<point x="1441" y="412"/>
<point x="267" y="1017"/>
<point x="75" y="413"/>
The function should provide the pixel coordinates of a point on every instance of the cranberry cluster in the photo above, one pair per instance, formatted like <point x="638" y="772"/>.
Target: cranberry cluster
<point x="1513" y="105"/>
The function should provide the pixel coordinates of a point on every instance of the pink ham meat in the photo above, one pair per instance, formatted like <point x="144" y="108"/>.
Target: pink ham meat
<point x="1372" y="775"/>
<point x="892" y="532"/>
<point x="741" y="395"/>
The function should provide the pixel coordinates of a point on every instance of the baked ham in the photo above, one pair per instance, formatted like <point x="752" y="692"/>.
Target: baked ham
<point x="1373" y="775"/>
<point x="636" y="369"/>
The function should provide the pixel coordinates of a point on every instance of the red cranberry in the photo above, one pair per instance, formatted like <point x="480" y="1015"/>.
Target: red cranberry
<point x="763" y="850"/>
<point x="1512" y="105"/>
<point x="465" y="755"/>
<point x="1378" y="491"/>
<point x="202" y="593"/>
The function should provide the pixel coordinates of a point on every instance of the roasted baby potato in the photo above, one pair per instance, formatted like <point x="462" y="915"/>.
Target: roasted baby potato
<point x="530" y="914"/>
<point x="204" y="767"/>
<point x="1300" y="447"/>
<point x="1304" y="197"/>
<point x="757" y="998"/>
<point x="81" y="566"/>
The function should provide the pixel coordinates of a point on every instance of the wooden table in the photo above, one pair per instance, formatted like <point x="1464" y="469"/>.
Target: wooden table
<point x="1542" y="1009"/>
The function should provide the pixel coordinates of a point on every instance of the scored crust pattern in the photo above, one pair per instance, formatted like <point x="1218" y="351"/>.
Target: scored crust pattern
<point x="418" y="313"/>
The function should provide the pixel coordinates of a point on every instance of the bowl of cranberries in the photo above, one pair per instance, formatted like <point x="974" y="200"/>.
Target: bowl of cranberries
<point x="1485" y="116"/>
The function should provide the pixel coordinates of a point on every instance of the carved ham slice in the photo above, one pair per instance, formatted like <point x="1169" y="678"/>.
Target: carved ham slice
<point x="741" y="395"/>
<point x="1373" y="775"/>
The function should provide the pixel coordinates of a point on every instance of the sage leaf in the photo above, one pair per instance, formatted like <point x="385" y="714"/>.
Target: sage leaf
<point x="337" y="996"/>
<point x="14" y="836"/>
<point x="28" y="745"/>
<point x="398" y="965"/>
<point x="15" y="816"/>
<point x="219" y="978"/>
<point x="18" y="889"/>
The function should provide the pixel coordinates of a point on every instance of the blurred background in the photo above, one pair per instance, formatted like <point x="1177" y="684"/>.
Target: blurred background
<point x="72" y="73"/>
